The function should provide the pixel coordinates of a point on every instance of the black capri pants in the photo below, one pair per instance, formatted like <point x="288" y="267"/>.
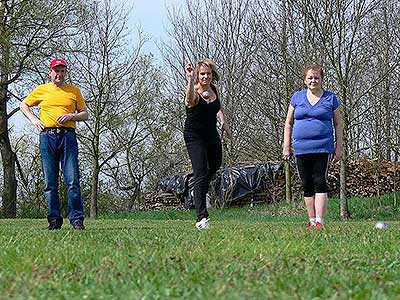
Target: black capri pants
<point x="312" y="169"/>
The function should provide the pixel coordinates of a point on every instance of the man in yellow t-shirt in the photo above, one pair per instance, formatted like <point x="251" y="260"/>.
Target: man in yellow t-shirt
<point x="61" y="105"/>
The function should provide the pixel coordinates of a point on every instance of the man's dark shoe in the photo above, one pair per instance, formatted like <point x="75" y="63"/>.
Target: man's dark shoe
<point x="55" y="224"/>
<point x="78" y="225"/>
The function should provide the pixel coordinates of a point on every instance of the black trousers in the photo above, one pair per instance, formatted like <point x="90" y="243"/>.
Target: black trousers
<point x="312" y="170"/>
<point x="206" y="159"/>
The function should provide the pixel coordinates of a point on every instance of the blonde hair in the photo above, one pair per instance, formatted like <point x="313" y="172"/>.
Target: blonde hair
<point x="210" y="64"/>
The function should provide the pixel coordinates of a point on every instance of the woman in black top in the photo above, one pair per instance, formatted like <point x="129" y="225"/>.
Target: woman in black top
<point x="201" y="135"/>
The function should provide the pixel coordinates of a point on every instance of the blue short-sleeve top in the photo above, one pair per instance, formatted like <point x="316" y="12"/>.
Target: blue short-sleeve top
<point x="313" y="124"/>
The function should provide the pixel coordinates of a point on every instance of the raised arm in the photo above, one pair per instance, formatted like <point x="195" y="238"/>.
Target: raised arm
<point x="191" y="98"/>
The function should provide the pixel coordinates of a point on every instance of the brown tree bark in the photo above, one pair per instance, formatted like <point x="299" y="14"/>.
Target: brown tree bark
<point x="94" y="189"/>
<point x="9" y="194"/>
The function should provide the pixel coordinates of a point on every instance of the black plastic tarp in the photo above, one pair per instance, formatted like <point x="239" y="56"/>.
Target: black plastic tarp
<point x="175" y="184"/>
<point x="229" y="185"/>
<point x="235" y="182"/>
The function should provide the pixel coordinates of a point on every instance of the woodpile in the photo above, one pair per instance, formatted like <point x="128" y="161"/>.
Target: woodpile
<point x="366" y="178"/>
<point x="161" y="201"/>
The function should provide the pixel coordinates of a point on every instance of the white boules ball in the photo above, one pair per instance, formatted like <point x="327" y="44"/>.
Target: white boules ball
<point x="381" y="225"/>
<point x="206" y="94"/>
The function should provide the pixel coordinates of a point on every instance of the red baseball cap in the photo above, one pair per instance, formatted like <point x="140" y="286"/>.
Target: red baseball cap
<point x="58" y="62"/>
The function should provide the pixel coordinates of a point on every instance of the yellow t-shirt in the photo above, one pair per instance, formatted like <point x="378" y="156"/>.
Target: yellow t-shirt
<point x="54" y="101"/>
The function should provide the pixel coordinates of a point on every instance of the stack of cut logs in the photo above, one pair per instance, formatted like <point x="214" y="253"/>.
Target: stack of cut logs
<point x="161" y="201"/>
<point x="366" y="178"/>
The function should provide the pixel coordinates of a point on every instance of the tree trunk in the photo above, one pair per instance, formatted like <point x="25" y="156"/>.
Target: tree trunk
<point x="94" y="189"/>
<point x="9" y="195"/>
<point x="344" y="208"/>
<point x="288" y="185"/>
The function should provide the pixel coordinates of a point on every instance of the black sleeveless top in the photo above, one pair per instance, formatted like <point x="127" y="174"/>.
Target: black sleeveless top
<point x="201" y="119"/>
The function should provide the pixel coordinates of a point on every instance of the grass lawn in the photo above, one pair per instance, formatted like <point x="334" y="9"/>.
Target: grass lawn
<point x="258" y="253"/>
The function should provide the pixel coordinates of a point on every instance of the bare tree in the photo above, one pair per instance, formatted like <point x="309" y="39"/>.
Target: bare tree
<point x="117" y="84"/>
<point x="108" y="65"/>
<point x="137" y="134"/>
<point x="384" y="47"/>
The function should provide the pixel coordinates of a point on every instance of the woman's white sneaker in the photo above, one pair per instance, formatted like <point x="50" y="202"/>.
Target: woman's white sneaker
<point x="203" y="224"/>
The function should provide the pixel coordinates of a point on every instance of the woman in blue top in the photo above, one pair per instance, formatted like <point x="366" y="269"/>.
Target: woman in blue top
<point x="314" y="117"/>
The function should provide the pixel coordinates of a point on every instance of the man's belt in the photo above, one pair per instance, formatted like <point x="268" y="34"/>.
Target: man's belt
<point x="58" y="130"/>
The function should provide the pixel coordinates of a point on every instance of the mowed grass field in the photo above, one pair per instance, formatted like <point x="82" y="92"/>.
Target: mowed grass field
<point x="259" y="253"/>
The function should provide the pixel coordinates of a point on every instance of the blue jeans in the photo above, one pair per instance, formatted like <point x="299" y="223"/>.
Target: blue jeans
<point x="61" y="149"/>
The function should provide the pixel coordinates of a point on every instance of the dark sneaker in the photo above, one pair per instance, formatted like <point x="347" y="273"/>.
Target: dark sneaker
<point x="78" y="225"/>
<point x="55" y="224"/>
